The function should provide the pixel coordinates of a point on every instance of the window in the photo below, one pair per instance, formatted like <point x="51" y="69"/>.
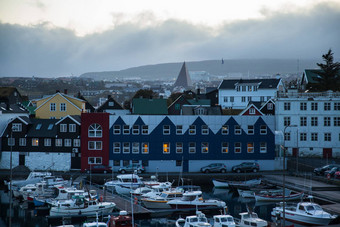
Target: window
<point x="192" y="130"/>
<point x="238" y="88"/>
<point x="314" y="121"/>
<point x="250" y="88"/>
<point x="232" y="99"/>
<point x="177" y="106"/>
<point x="35" y="142"/>
<point x="249" y="98"/>
<point x="252" y="111"/>
<point x="95" y="130"/>
<point x="126" y="147"/>
<point x="38" y="127"/>
<point x="63" y="127"/>
<point x="58" y="142"/>
<point x="287" y="136"/>
<point x="237" y="147"/>
<point x="327" y="106"/>
<point x="111" y="103"/>
<point x="135" y="148"/>
<point x="225" y="99"/>
<point x="336" y="121"/>
<point x="261" y="98"/>
<point x="22" y="142"/>
<point x="52" y="107"/>
<point x="314" y="106"/>
<point x="270" y="106"/>
<point x="337" y="106"/>
<point x="166" y="148"/>
<point x="50" y="126"/>
<point x="76" y="142"/>
<point x="16" y="127"/>
<point x="179" y="147"/>
<point x="303" y="136"/>
<point x="237" y="130"/>
<point x="328" y="136"/>
<point x="179" y="129"/>
<point x="135" y="129"/>
<point x="225" y="130"/>
<point x="94" y="160"/>
<point x="303" y="121"/>
<point x="263" y="147"/>
<point x="205" y="130"/>
<point x="72" y="127"/>
<point x="166" y="129"/>
<point x="116" y="162"/>
<point x="250" y="147"/>
<point x="116" y="147"/>
<point x="145" y="148"/>
<point x="95" y="145"/>
<point x="314" y="136"/>
<point x="192" y="147"/>
<point x="243" y="99"/>
<point x="68" y="142"/>
<point x="47" y="142"/>
<point x="286" y="121"/>
<point x="62" y="107"/>
<point x="145" y="129"/>
<point x="116" y="129"/>
<point x="126" y="129"/>
<point x="326" y="121"/>
<point x="178" y="162"/>
<point x="303" y="106"/>
<point x="263" y="130"/>
<point x="286" y="106"/>
<point x="11" y="141"/>
<point x="205" y="147"/>
<point x="250" y="129"/>
<point x="225" y="147"/>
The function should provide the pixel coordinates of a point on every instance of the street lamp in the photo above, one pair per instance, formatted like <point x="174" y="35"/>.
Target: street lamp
<point x="284" y="173"/>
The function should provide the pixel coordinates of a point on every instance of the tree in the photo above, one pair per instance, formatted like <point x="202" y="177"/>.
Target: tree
<point x="330" y="73"/>
<point x="145" y="93"/>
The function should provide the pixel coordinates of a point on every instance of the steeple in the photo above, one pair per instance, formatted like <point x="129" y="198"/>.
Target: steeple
<point x="183" y="78"/>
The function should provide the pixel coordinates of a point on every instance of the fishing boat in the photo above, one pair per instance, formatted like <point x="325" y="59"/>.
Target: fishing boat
<point x="277" y="197"/>
<point x="127" y="180"/>
<point x="78" y="205"/>
<point x="139" y="192"/>
<point x="194" y="200"/>
<point x="161" y="201"/>
<point x="249" y="219"/>
<point x="193" y="221"/>
<point x="122" y="220"/>
<point x="307" y="213"/>
<point x="224" y="220"/>
<point x="32" y="178"/>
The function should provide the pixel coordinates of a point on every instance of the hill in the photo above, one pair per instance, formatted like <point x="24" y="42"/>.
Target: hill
<point x="213" y="67"/>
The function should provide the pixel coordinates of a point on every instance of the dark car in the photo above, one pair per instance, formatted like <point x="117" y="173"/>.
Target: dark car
<point x="99" y="169"/>
<point x="214" y="167"/>
<point x="246" y="167"/>
<point x="321" y="170"/>
<point x="131" y="168"/>
<point x="330" y="173"/>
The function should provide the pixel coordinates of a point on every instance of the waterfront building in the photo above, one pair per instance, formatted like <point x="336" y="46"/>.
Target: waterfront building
<point x="309" y="122"/>
<point x="236" y="94"/>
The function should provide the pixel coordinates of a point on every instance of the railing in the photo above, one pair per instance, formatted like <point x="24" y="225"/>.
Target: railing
<point x="330" y="94"/>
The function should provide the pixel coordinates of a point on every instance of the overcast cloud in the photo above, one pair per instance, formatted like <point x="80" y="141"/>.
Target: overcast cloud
<point x="43" y="50"/>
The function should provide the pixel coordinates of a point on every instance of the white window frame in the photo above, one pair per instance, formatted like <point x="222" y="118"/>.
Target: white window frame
<point x="116" y="129"/>
<point x="328" y="137"/>
<point x="179" y="147"/>
<point x="251" y="129"/>
<point x="327" y="121"/>
<point x="263" y="130"/>
<point x="205" y="130"/>
<point x="263" y="147"/>
<point x="95" y="145"/>
<point x="225" y="130"/>
<point x="166" y="148"/>
<point x="327" y="106"/>
<point x="303" y="106"/>
<point x="303" y="121"/>
<point x="192" y="148"/>
<point x="237" y="130"/>
<point x="116" y="147"/>
<point x="166" y="129"/>
<point x="237" y="147"/>
<point x="11" y="141"/>
<point x="94" y="160"/>
<point x="126" y="147"/>
<point x="47" y="142"/>
<point x="314" y="136"/>
<point x="16" y="127"/>
<point x="53" y="107"/>
<point x="63" y="127"/>
<point x="205" y="147"/>
<point x="286" y="121"/>
<point x="135" y="129"/>
<point x="250" y="147"/>
<point x="179" y="129"/>
<point x="35" y="142"/>
<point x="62" y="107"/>
<point x="67" y="142"/>
<point x="286" y="106"/>
<point x="76" y="142"/>
<point x="252" y="111"/>
<point x="314" y="121"/>
<point x="95" y="130"/>
<point x="145" y="148"/>
<point x="58" y="142"/>
<point x="192" y="129"/>
<point x="135" y="147"/>
<point x="145" y="129"/>
<point x="126" y="129"/>
<point x="72" y="128"/>
<point x="22" y="142"/>
<point x="314" y="106"/>
<point x="225" y="147"/>
<point x="303" y="136"/>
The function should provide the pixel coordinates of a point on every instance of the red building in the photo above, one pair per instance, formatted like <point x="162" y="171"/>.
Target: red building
<point x="95" y="139"/>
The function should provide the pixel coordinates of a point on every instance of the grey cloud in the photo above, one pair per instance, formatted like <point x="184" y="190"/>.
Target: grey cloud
<point x="42" y="51"/>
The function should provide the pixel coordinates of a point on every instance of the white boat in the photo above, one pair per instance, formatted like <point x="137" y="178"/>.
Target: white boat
<point x="127" y="180"/>
<point x="80" y="206"/>
<point x="152" y="181"/>
<point x="223" y="220"/>
<point x="193" y="221"/>
<point x="194" y="200"/>
<point x="308" y="213"/>
<point x="25" y="191"/>
<point x="218" y="183"/>
<point x="161" y="201"/>
<point x="157" y="190"/>
<point x="96" y="223"/>
<point x="139" y="192"/>
<point x="251" y="193"/>
<point x="249" y="219"/>
<point x="277" y="197"/>
<point x="32" y="178"/>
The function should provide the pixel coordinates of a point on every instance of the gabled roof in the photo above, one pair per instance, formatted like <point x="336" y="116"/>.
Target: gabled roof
<point x="311" y="75"/>
<point x="264" y="104"/>
<point x="210" y="110"/>
<point x="106" y="106"/>
<point x="263" y="83"/>
<point x="5" y="92"/>
<point x="251" y="106"/>
<point x="23" y="119"/>
<point x="183" y="78"/>
<point x="43" y="130"/>
<point x="63" y="96"/>
<point x="12" y="108"/>
<point x="149" y="106"/>
<point x="75" y="118"/>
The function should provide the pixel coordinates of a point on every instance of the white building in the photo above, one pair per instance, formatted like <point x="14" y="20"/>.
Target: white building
<point x="310" y="123"/>
<point x="236" y="94"/>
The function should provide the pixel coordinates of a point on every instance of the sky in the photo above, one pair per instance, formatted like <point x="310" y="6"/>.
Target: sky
<point x="52" y="38"/>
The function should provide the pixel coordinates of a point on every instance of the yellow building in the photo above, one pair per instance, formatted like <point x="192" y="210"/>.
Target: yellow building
<point x="58" y="106"/>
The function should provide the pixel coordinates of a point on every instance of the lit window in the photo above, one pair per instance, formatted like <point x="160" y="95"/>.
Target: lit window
<point x="225" y="130"/>
<point x="225" y="147"/>
<point x="35" y="142"/>
<point x="95" y="145"/>
<point x="116" y="147"/>
<point x="135" y="148"/>
<point x="237" y="147"/>
<point x="145" y="148"/>
<point x="95" y="130"/>
<point x="179" y="147"/>
<point x="166" y="148"/>
<point x="205" y="147"/>
<point x="250" y="147"/>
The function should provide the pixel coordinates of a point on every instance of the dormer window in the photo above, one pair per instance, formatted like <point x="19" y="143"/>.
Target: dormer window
<point x="251" y="111"/>
<point x="111" y="103"/>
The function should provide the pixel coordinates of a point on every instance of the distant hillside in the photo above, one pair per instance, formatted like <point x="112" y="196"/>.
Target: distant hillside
<point x="214" y="67"/>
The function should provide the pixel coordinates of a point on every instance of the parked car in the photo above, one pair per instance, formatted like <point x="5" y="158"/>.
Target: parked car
<point x="214" y="167"/>
<point x="131" y="168"/>
<point x="330" y="173"/>
<point x="99" y="169"/>
<point x="246" y="167"/>
<point x="321" y="170"/>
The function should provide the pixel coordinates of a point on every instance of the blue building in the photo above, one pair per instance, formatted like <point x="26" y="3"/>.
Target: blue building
<point x="186" y="143"/>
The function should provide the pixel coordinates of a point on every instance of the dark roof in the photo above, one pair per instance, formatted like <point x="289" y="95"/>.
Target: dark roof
<point x="149" y="106"/>
<point x="211" y="110"/>
<point x="312" y="74"/>
<point x="210" y="89"/>
<point x="12" y="108"/>
<point x="257" y="104"/>
<point x="264" y="83"/>
<point x="43" y="131"/>
<point x="106" y="106"/>
<point x="5" y="92"/>
<point x="76" y="118"/>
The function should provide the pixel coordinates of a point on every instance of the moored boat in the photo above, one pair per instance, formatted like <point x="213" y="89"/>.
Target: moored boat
<point x="276" y="197"/>
<point x="122" y="220"/>
<point x="193" y="221"/>
<point x="127" y="180"/>
<point x="249" y="219"/>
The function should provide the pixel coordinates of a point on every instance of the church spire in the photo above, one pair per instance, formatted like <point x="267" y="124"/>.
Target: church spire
<point x="183" y="78"/>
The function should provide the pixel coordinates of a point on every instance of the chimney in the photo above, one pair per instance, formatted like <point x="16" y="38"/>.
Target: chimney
<point x="65" y="91"/>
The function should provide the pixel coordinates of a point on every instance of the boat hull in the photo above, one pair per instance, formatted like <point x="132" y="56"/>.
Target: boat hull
<point x="220" y="184"/>
<point x="278" y="198"/>
<point x="156" y="204"/>
<point x="89" y="211"/>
